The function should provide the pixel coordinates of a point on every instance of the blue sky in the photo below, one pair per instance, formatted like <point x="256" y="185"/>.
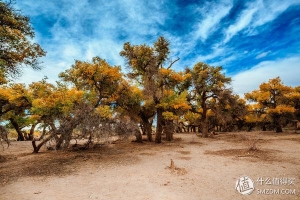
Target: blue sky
<point x="253" y="40"/>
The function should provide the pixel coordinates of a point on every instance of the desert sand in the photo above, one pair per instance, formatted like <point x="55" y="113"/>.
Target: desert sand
<point x="204" y="168"/>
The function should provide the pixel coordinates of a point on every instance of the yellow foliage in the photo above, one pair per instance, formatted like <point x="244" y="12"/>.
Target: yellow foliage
<point x="165" y="72"/>
<point x="200" y="110"/>
<point x="104" y="111"/>
<point x="175" y="101"/>
<point x="169" y="116"/>
<point x="281" y="109"/>
<point x="35" y="117"/>
<point x="177" y="77"/>
<point x="227" y="106"/>
<point x="191" y="117"/>
<point x="210" y="113"/>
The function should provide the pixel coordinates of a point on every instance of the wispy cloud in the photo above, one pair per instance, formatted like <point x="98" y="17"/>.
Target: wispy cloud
<point x="268" y="10"/>
<point x="212" y="13"/>
<point x="243" y="21"/>
<point x="262" y="55"/>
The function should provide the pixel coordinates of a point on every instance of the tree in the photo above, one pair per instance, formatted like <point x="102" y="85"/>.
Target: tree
<point x="273" y="98"/>
<point x="229" y="110"/>
<point x="174" y="106"/>
<point x="98" y="82"/>
<point x="294" y="98"/>
<point x="59" y="108"/>
<point x="14" y="102"/>
<point x="15" y="45"/>
<point x="257" y="117"/>
<point x="98" y="78"/>
<point x="207" y="83"/>
<point x="130" y="101"/>
<point x="147" y="70"/>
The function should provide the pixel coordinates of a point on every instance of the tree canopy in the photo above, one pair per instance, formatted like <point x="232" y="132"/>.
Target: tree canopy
<point x="16" y="47"/>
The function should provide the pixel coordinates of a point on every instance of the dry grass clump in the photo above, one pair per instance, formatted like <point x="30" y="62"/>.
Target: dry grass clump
<point x="176" y="170"/>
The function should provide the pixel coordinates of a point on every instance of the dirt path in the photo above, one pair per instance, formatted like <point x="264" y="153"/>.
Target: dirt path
<point x="204" y="169"/>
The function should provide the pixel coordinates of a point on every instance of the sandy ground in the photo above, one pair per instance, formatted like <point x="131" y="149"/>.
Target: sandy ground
<point x="205" y="168"/>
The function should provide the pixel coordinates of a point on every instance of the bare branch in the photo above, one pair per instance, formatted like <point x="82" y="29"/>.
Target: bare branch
<point x="173" y="63"/>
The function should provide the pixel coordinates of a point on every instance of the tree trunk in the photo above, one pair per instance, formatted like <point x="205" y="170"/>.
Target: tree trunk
<point x="240" y="125"/>
<point x="4" y="135"/>
<point x="148" y="129"/>
<point x="138" y="137"/>
<point x="277" y="125"/>
<point x="264" y="128"/>
<point x="143" y="129"/>
<point x="64" y="139"/>
<point x="204" y="130"/>
<point x="17" y="128"/>
<point x="65" y="131"/>
<point x="36" y="148"/>
<point x="169" y="130"/>
<point x="159" y="126"/>
<point x="199" y="129"/>
<point x="194" y="128"/>
<point x="278" y="128"/>
<point x="31" y="133"/>
<point x="204" y="123"/>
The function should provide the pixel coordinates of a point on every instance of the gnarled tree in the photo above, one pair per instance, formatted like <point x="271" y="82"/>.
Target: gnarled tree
<point x="151" y="70"/>
<point x="207" y="82"/>
<point x="273" y="98"/>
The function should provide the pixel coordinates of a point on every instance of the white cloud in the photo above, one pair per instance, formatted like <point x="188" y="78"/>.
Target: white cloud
<point x="269" y="10"/>
<point x="50" y="71"/>
<point x="212" y="14"/>
<point x="287" y="69"/>
<point x="224" y="61"/>
<point x="262" y="55"/>
<point x="257" y="13"/>
<point x="217" y="51"/>
<point x="240" y="24"/>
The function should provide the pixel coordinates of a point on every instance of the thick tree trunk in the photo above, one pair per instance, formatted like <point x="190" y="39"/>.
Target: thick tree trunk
<point x="240" y="125"/>
<point x="169" y="130"/>
<point x="278" y="128"/>
<point x="278" y="125"/>
<point x="65" y="131"/>
<point x="204" y="129"/>
<point x="264" y="128"/>
<point x="64" y="140"/>
<point x="199" y="129"/>
<point x="204" y="123"/>
<point x="148" y="129"/>
<point x="17" y="128"/>
<point x="138" y="137"/>
<point x="159" y="126"/>
<point x="193" y="128"/>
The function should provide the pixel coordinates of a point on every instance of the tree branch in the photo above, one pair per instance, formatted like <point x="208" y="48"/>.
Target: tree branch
<point x="173" y="63"/>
